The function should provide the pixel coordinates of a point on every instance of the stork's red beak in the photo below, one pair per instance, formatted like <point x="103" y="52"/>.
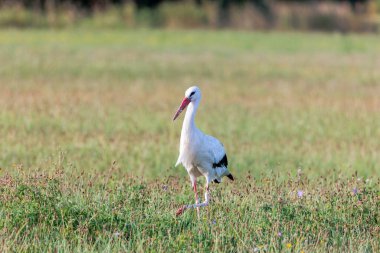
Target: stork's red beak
<point x="184" y="103"/>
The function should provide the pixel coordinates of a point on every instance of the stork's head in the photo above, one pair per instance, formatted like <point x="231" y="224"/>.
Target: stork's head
<point x="192" y="95"/>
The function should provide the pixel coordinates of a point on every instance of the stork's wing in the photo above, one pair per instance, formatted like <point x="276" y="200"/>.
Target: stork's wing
<point x="216" y="148"/>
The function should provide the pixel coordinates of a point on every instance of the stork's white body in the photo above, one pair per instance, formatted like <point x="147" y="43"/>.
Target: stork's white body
<point x="198" y="151"/>
<point x="200" y="154"/>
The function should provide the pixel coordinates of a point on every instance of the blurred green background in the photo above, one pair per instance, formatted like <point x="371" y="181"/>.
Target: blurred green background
<point x="329" y="15"/>
<point x="278" y="101"/>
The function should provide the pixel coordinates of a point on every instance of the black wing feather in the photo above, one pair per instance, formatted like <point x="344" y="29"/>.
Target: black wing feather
<point x="222" y="163"/>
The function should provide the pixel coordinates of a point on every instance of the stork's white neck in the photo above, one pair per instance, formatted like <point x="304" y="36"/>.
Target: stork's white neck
<point x="188" y="125"/>
<point x="189" y="134"/>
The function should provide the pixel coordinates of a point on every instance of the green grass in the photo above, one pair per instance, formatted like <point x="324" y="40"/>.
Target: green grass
<point x="88" y="145"/>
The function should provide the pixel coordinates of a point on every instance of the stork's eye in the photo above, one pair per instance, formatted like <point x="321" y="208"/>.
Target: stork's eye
<point x="192" y="93"/>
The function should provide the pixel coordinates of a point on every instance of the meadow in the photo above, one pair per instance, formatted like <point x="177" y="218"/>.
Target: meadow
<point x="88" y="145"/>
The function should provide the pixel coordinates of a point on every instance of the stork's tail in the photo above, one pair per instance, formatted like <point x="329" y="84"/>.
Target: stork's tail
<point x="219" y="180"/>
<point x="222" y="172"/>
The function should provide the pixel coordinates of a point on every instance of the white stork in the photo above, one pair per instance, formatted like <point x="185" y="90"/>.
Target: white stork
<point x="200" y="154"/>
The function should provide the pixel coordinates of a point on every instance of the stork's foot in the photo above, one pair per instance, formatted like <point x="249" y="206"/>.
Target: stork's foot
<point x="180" y="211"/>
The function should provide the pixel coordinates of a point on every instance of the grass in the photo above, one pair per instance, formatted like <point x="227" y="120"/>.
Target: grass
<point x="88" y="145"/>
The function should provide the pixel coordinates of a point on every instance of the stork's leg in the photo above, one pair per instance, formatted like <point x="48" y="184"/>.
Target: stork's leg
<point x="196" y="196"/>
<point x="205" y="203"/>
<point x="183" y="208"/>
<point x="197" y="205"/>
<point x="207" y="195"/>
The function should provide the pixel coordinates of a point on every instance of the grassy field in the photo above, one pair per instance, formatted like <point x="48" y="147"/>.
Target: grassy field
<point x="88" y="145"/>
